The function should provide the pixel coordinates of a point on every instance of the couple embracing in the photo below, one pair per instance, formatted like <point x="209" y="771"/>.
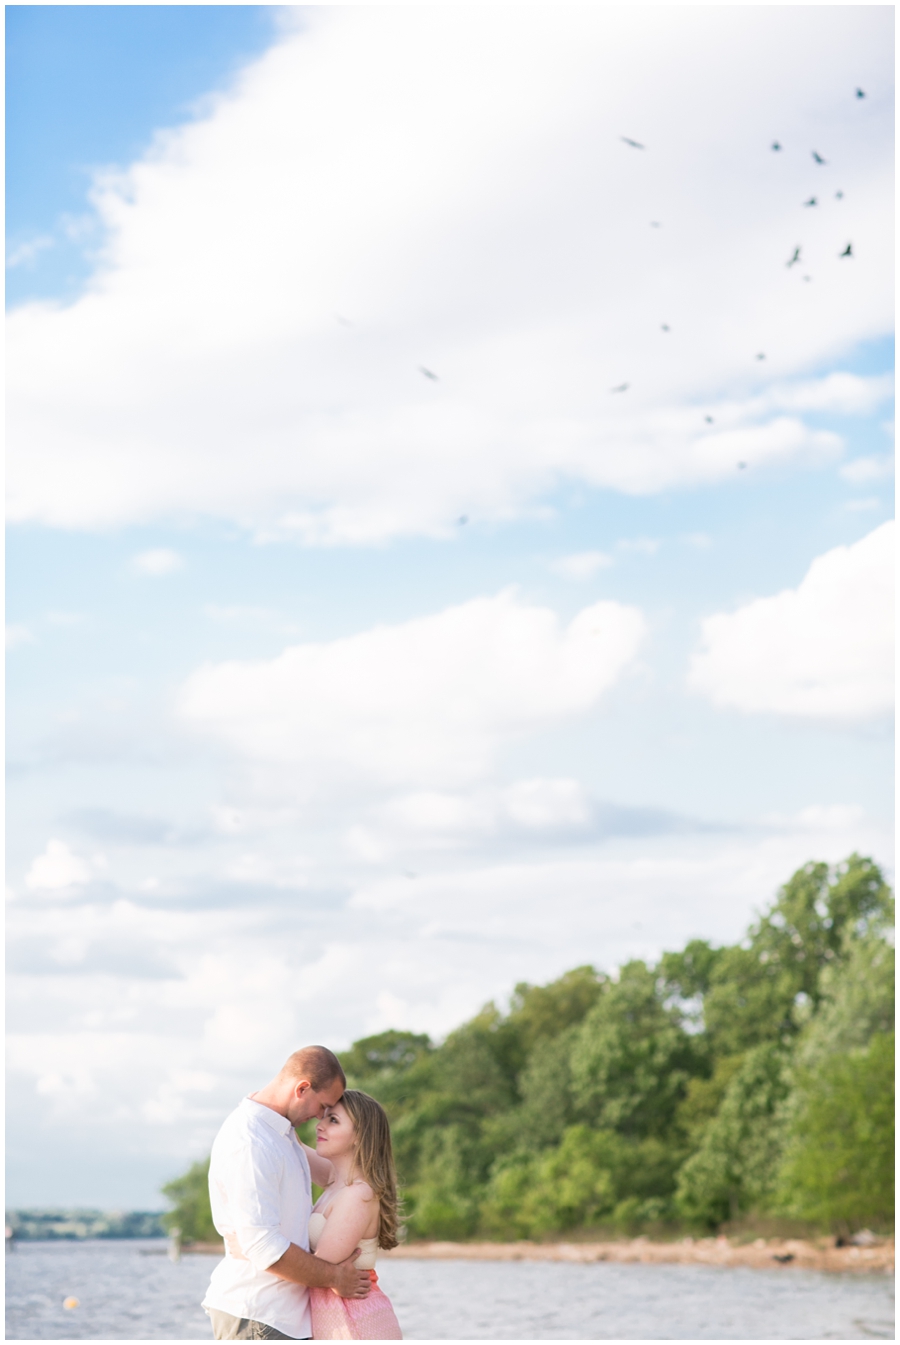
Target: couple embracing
<point x="291" y="1271"/>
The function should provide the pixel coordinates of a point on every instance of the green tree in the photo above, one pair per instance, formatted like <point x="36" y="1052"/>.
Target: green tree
<point x="734" y="1170"/>
<point x="385" y="1055"/>
<point x="190" y="1197"/>
<point x="631" y="1057"/>
<point x="541" y="1012"/>
<point x="857" y="1000"/>
<point x="443" y="1202"/>
<point x="839" y="1161"/>
<point x="758" y="991"/>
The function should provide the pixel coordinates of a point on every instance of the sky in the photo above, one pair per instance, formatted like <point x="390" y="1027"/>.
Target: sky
<point x="449" y="524"/>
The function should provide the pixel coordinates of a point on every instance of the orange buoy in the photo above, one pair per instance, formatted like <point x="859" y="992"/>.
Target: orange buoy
<point x="71" y="1303"/>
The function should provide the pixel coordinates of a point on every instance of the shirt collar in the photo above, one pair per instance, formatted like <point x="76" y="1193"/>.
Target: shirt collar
<point x="279" y="1123"/>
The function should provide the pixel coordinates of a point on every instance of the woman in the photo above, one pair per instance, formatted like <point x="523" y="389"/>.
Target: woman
<point x="354" y="1164"/>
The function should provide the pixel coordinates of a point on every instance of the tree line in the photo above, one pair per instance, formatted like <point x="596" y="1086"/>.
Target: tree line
<point x="719" y="1085"/>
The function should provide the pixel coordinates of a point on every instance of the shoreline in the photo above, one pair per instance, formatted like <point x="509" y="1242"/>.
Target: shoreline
<point x="762" y="1254"/>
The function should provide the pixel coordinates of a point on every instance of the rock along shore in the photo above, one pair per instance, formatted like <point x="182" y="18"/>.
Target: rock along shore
<point x="764" y="1253"/>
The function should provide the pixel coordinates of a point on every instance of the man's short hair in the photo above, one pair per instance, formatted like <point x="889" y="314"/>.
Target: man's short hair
<point x="315" y="1063"/>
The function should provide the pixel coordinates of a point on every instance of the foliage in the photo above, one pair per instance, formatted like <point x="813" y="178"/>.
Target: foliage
<point x="631" y="1058"/>
<point x="733" y="1171"/>
<point x="758" y="990"/>
<point x="722" y="1082"/>
<point x="839" y="1165"/>
<point x="190" y="1197"/>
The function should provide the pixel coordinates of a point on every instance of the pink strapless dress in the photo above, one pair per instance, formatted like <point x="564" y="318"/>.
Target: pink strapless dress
<point x="370" y="1318"/>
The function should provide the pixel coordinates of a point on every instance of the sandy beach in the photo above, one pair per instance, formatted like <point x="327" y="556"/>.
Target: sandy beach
<point x="821" y="1254"/>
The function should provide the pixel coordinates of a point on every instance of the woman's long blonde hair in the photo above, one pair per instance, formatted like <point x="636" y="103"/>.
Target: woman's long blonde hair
<point x="374" y="1160"/>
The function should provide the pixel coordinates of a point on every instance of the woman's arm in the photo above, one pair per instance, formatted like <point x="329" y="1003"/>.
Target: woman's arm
<point x="320" y="1169"/>
<point x="349" y="1220"/>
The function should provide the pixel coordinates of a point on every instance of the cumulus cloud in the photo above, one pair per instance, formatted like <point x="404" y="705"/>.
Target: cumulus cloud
<point x="157" y="562"/>
<point x="429" y="701"/>
<point x="500" y="238"/>
<point x="581" y="565"/>
<point x="823" y="650"/>
<point x="57" y="868"/>
<point x="861" y="471"/>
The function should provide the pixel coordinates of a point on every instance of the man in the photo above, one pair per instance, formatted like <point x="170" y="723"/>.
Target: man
<point x="261" y="1197"/>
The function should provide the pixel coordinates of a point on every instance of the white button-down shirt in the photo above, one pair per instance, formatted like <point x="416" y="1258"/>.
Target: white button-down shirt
<point x="260" y="1190"/>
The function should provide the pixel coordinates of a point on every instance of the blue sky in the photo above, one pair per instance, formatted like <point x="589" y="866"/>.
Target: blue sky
<point x="294" y="752"/>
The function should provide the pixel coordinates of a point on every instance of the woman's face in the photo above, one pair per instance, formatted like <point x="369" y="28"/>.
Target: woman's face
<point x="335" y="1133"/>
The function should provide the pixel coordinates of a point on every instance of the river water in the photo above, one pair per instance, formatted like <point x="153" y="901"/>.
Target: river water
<point x="129" y="1290"/>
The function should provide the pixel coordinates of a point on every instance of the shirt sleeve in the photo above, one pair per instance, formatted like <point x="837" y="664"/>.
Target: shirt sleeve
<point x="255" y="1204"/>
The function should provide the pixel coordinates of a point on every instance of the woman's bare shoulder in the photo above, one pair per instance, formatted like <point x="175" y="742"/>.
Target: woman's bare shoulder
<point x="357" y="1193"/>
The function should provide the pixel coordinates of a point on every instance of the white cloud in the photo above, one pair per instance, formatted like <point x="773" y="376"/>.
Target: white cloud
<point x="16" y="635"/>
<point x="845" y="394"/>
<point x="823" y="650"/>
<point x="426" y="702"/>
<point x="500" y="237"/>
<point x="157" y="562"/>
<point x="547" y="803"/>
<point x="581" y="565"/>
<point x="57" y="868"/>
<point x="861" y="471"/>
<point x="26" y="253"/>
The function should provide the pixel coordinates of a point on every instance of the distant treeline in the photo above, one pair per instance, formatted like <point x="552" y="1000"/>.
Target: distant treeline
<point x="718" y="1086"/>
<point x="53" y="1225"/>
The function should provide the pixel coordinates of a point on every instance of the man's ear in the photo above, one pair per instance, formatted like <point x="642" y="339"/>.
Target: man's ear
<point x="302" y="1086"/>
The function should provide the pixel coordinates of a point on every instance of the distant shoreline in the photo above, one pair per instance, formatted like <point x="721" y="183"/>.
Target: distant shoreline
<point x="763" y="1254"/>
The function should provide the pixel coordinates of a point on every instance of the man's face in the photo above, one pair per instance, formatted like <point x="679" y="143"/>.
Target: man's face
<point x="305" y="1103"/>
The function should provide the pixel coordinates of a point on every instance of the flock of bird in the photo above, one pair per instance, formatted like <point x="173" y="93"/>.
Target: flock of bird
<point x="794" y="260"/>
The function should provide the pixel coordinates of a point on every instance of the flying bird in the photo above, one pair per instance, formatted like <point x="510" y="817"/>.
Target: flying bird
<point x="812" y="201"/>
<point x="741" y="466"/>
<point x="761" y="355"/>
<point x="775" y="145"/>
<point x="665" y="327"/>
<point x="839" y="196"/>
<point x="860" y="93"/>
<point x="635" y="144"/>
<point x="818" y="158"/>
<point x="848" y="251"/>
<point x="807" y="277"/>
<point x="463" y="520"/>
<point x="654" y="224"/>
<point x="794" y="259"/>
<point x="783" y="1258"/>
<point x="428" y="373"/>
<point x="623" y="387"/>
<point x="708" y="419"/>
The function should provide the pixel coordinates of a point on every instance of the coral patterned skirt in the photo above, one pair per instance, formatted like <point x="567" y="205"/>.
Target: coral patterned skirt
<point x="370" y="1318"/>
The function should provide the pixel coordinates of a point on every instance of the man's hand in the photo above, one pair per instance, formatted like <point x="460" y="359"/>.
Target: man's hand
<point x="350" y="1282"/>
<point x="314" y="1271"/>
